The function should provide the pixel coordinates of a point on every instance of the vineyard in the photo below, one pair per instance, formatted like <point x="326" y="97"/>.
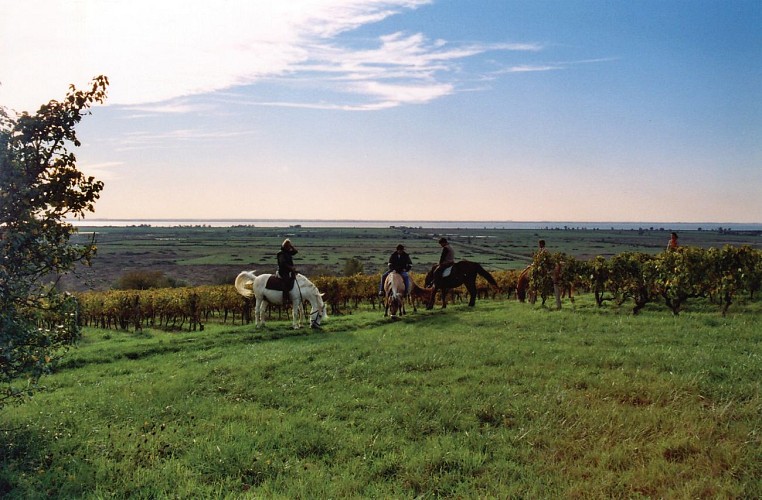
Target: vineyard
<point x="671" y="278"/>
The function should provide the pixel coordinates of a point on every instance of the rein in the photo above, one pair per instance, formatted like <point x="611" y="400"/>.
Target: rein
<point x="298" y="287"/>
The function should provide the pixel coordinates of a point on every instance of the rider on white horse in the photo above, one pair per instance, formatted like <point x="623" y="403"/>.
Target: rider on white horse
<point x="286" y="269"/>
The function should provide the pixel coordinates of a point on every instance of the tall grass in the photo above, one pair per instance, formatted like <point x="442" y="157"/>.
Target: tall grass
<point x="504" y="400"/>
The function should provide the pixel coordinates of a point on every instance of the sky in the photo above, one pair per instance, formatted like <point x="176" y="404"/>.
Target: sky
<point x="405" y="110"/>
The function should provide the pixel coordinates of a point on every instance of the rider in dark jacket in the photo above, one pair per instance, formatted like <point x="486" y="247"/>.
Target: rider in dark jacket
<point x="286" y="269"/>
<point x="446" y="259"/>
<point x="400" y="262"/>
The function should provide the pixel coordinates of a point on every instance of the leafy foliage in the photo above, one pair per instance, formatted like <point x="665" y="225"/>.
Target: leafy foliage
<point x="353" y="266"/>
<point x="40" y="186"/>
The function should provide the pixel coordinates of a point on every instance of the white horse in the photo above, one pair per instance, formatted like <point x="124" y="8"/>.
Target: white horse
<point x="248" y="284"/>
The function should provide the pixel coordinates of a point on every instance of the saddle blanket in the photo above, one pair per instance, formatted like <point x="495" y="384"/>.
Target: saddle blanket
<point x="275" y="282"/>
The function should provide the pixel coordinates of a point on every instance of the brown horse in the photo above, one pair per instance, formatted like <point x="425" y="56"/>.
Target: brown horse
<point x="522" y="285"/>
<point x="417" y="293"/>
<point x="394" y="294"/>
<point x="463" y="272"/>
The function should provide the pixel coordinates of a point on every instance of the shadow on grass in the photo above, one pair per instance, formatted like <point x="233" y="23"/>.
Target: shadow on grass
<point x="146" y="344"/>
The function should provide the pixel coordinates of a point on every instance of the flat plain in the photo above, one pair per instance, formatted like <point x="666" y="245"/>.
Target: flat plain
<point x="199" y="255"/>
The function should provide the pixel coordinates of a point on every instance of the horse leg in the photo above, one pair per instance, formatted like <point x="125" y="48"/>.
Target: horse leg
<point x="259" y="319"/>
<point x="297" y="319"/>
<point x="471" y="293"/>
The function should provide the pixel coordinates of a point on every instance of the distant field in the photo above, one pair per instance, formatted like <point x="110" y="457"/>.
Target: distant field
<point x="208" y="255"/>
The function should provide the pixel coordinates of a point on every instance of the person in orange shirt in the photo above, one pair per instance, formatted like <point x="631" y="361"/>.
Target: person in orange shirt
<point x="672" y="245"/>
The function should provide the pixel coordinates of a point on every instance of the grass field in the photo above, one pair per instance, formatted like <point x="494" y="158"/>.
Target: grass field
<point x="505" y="400"/>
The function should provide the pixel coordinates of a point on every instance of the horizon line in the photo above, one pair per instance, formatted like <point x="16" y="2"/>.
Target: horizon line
<point x="470" y="221"/>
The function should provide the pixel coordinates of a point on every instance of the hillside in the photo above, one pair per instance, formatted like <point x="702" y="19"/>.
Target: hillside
<point x="504" y="400"/>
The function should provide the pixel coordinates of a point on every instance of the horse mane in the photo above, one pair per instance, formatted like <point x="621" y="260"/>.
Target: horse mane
<point x="308" y="283"/>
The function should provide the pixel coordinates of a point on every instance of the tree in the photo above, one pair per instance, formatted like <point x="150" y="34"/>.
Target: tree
<point x="353" y="266"/>
<point x="40" y="186"/>
<point x="145" y="280"/>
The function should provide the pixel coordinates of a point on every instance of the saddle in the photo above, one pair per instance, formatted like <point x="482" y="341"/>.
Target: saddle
<point x="447" y="271"/>
<point x="279" y="284"/>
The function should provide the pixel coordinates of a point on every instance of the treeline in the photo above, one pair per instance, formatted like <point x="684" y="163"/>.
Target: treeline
<point x="670" y="278"/>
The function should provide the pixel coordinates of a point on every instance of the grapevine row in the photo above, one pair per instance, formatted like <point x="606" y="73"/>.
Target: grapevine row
<point x="671" y="277"/>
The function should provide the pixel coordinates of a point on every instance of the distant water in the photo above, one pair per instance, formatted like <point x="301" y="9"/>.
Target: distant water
<point x="444" y="224"/>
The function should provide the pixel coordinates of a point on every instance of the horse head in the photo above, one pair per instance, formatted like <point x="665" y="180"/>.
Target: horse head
<point x="428" y="282"/>
<point x="318" y="313"/>
<point x="311" y="293"/>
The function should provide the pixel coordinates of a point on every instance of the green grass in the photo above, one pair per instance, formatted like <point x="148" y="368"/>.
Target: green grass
<point x="503" y="400"/>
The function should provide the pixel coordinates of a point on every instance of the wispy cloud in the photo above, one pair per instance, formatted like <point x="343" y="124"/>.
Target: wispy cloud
<point x="106" y="171"/>
<point x="171" y="107"/>
<point x="157" y="52"/>
<point x="400" y="69"/>
<point x="173" y="138"/>
<point x="554" y="66"/>
<point x="528" y="68"/>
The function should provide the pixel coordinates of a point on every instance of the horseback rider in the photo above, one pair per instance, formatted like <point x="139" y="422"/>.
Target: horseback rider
<point x="400" y="262"/>
<point x="286" y="269"/>
<point x="446" y="259"/>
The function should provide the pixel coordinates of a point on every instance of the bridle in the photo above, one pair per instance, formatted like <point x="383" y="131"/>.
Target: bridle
<point x="318" y="315"/>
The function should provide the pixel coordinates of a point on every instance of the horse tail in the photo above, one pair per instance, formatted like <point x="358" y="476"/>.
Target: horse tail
<point x="487" y="276"/>
<point x="244" y="283"/>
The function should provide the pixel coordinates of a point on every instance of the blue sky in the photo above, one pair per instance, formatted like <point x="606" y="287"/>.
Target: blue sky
<point x="406" y="109"/>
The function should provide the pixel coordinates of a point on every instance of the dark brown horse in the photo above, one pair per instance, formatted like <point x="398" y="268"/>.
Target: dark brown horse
<point x="463" y="272"/>
<point x="522" y="285"/>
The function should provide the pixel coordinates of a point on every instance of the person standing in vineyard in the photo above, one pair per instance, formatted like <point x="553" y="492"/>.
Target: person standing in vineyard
<point x="556" y="276"/>
<point x="401" y="263"/>
<point x="672" y="245"/>
<point x="286" y="269"/>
